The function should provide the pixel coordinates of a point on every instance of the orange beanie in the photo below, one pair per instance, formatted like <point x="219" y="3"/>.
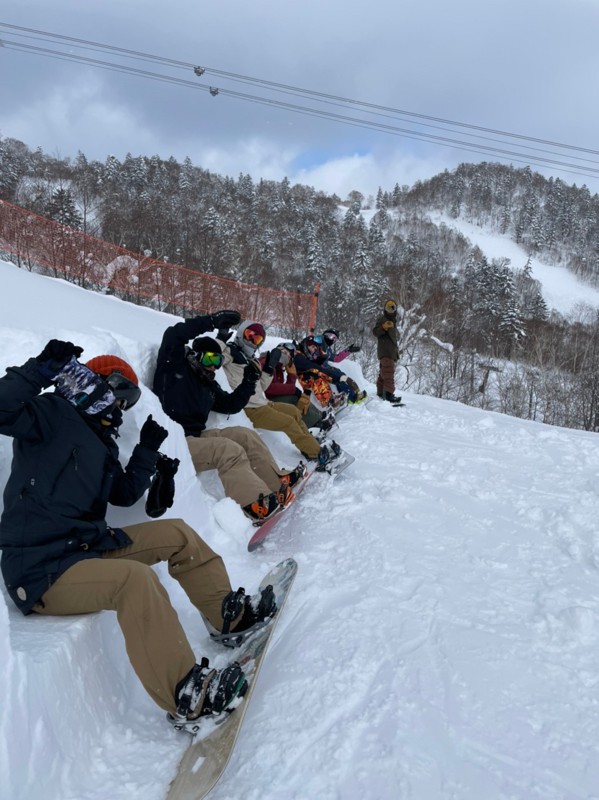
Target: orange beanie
<point x="106" y="365"/>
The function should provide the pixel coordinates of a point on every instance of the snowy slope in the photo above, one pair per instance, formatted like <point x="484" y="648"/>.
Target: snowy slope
<point x="440" y="640"/>
<point x="561" y="289"/>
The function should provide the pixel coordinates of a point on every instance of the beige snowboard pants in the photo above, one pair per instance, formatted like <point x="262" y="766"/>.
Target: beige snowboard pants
<point x="288" y="419"/>
<point x="244" y="463"/>
<point x="123" y="581"/>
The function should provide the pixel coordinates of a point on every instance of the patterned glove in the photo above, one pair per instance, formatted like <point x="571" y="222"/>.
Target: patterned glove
<point x="354" y="348"/>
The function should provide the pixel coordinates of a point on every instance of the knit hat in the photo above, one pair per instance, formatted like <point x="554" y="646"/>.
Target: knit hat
<point x="206" y="344"/>
<point x="106" y="365"/>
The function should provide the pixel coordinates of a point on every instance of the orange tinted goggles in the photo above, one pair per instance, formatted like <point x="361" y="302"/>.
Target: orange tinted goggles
<point x="251" y="336"/>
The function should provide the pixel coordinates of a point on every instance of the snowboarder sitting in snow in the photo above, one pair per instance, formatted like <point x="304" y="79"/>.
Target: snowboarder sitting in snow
<point x="311" y="356"/>
<point x="327" y="341"/>
<point x="385" y="330"/>
<point x="240" y="354"/>
<point x="185" y="382"/>
<point x="284" y="389"/>
<point x="59" y="556"/>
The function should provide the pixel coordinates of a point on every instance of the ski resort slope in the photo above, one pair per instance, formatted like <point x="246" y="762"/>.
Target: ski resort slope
<point x="561" y="289"/>
<point x="440" y="640"/>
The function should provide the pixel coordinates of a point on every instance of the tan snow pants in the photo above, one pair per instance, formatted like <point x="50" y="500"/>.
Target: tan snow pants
<point x="288" y="419"/>
<point x="244" y="463"/>
<point x="123" y="581"/>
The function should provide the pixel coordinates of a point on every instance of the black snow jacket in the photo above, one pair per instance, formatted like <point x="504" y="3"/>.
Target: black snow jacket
<point x="188" y="396"/>
<point x="63" y="475"/>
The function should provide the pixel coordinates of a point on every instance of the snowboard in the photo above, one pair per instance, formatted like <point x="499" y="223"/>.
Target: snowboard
<point x="348" y="406"/>
<point x="206" y="758"/>
<point x="264" y="528"/>
<point x="334" y="469"/>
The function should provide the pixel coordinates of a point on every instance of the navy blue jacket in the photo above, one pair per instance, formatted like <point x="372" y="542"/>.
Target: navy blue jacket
<point x="188" y="396"/>
<point x="63" y="476"/>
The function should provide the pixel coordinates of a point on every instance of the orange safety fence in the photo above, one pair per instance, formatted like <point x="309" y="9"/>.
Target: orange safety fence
<point x="46" y="247"/>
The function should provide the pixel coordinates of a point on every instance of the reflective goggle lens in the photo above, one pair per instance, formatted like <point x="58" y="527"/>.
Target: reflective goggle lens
<point x="211" y="359"/>
<point x="126" y="392"/>
<point x="253" y="337"/>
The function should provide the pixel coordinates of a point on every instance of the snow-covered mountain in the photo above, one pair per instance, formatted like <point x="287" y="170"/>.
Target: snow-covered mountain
<point x="440" y="640"/>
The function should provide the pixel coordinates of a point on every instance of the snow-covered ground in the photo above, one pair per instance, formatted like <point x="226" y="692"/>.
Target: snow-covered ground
<point x="440" y="640"/>
<point x="561" y="290"/>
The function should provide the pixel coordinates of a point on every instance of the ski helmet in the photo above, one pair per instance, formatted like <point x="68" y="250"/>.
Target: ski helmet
<point x="120" y="376"/>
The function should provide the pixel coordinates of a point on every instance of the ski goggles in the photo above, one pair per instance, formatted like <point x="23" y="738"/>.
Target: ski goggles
<point x="253" y="337"/>
<point x="210" y="359"/>
<point x="126" y="392"/>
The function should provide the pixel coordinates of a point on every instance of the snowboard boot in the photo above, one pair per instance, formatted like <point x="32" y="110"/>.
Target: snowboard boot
<point x="264" y="507"/>
<point x="206" y="692"/>
<point x="255" y="610"/>
<point x="327" y="420"/>
<point x="328" y="454"/>
<point x="391" y="398"/>
<point x="294" y="477"/>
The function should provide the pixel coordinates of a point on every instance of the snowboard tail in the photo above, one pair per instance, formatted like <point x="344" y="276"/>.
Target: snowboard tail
<point x="207" y="756"/>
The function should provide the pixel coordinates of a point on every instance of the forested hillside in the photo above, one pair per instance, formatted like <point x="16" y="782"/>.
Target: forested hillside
<point x="473" y="330"/>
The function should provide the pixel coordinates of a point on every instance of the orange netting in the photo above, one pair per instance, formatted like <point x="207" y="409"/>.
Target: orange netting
<point x="52" y="249"/>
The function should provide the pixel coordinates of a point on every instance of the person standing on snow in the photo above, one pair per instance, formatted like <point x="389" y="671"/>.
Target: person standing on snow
<point x="385" y="330"/>
<point x="60" y="557"/>
<point x="186" y="385"/>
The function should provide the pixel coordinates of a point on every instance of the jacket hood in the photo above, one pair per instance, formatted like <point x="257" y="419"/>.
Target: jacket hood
<point x="248" y="348"/>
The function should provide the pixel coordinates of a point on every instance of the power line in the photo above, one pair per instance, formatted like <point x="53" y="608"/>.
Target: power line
<point x="329" y="100"/>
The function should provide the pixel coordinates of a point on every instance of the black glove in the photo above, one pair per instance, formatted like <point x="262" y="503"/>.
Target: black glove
<point x="152" y="434"/>
<point x="225" y="319"/>
<point x="55" y="355"/>
<point x="223" y="334"/>
<point x="354" y="348"/>
<point x="162" y="489"/>
<point x="252" y="371"/>
<point x="271" y="361"/>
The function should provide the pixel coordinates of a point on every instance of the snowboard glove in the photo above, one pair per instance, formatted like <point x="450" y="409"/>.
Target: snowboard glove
<point x="56" y="355"/>
<point x="387" y="325"/>
<point x="152" y="434"/>
<point x="252" y="371"/>
<point x="161" y="494"/>
<point x="225" y="319"/>
<point x="272" y="359"/>
<point x="354" y="348"/>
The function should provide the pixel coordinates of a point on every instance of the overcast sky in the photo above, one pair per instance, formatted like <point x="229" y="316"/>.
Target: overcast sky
<point x="528" y="67"/>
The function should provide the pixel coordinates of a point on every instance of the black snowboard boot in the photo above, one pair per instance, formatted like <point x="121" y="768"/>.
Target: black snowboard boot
<point x="206" y="692"/>
<point x="391" y="398"/>
<point x="328" y="453"/>
<point x="256" y="610"/>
